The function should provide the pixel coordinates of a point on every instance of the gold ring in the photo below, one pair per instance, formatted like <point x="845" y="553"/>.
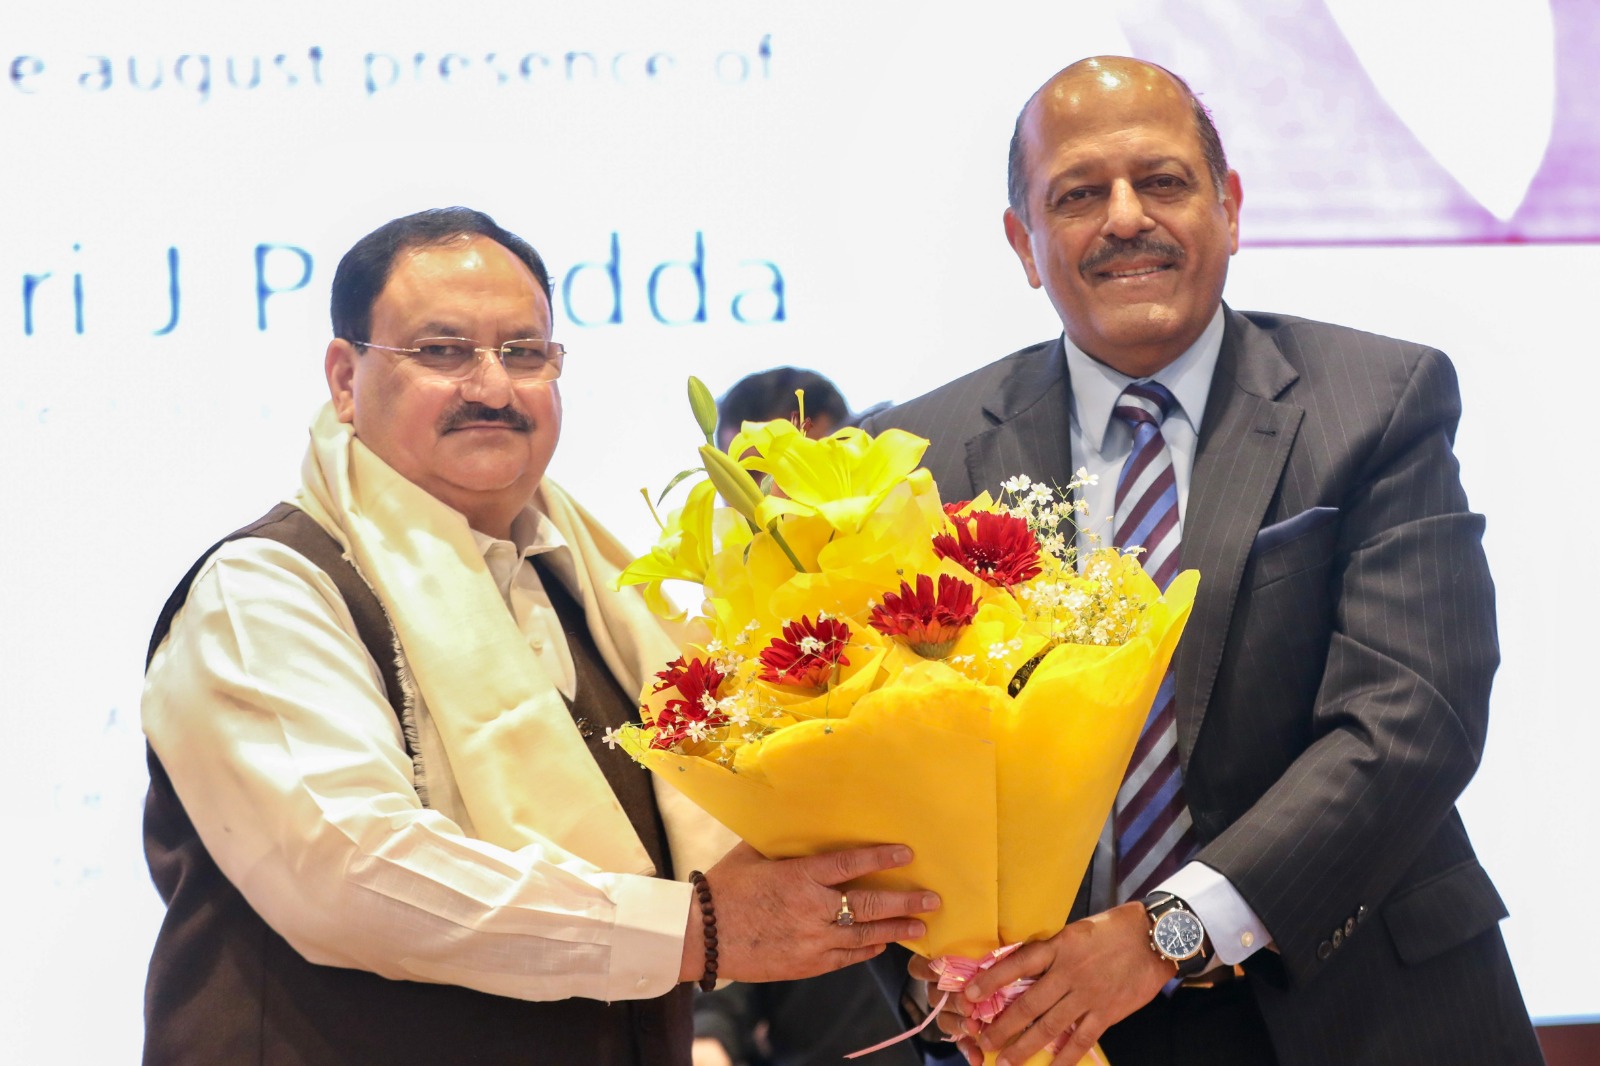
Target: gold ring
<point x="845" y="915"/>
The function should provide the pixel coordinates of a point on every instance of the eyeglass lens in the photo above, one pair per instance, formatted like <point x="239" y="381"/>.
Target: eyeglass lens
<point x="530" y="358"/>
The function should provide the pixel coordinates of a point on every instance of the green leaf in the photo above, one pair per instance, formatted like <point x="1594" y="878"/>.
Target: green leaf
<point x="676" y="479"/>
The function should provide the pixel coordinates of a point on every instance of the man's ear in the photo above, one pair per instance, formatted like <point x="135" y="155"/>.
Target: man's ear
<point x="1022" y="244"/>
<point x="340" y="366"/>
<point x="1232" y="198"/>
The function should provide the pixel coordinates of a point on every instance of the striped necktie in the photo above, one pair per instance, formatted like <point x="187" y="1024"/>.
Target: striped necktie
<point x="1153" y="830"/>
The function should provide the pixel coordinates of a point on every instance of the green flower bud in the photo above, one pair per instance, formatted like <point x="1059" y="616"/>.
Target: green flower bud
<point x="704" y="408"/>
<point x="733" y="481"/>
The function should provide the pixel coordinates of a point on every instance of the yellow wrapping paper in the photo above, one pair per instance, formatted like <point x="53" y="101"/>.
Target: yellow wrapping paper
<point x="1000" y="799"/>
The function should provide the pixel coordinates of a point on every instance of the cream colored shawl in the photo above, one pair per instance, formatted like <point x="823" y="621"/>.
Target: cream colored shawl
<point x="523" y="771"/>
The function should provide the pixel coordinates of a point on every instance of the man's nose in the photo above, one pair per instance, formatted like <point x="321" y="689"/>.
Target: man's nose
<point x="487" y="381"/>
<point x="1125" y="216"/>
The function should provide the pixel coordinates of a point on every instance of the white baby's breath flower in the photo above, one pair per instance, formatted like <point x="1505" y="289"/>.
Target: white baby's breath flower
<point x="999" y="652"/>
<point x="611" y="738"/>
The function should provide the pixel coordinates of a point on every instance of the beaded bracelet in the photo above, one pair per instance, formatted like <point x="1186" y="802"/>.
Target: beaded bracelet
<point x="708" y="915"/>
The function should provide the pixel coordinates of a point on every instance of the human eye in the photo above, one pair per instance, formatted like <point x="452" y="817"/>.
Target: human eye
<point x="443" y="351"/>
<point x="527" y="354"/>
<point x="1165" y="183"/>
<point x="1075" y="197"/>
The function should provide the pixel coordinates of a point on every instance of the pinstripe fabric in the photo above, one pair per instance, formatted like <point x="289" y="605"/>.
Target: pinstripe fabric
<point x="1331" y="689"/>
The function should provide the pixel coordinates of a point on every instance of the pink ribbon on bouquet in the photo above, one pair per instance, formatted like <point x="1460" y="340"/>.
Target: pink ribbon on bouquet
<point x="954" y="972"/>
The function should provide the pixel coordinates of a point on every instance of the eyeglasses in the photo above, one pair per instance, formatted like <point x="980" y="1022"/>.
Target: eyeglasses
<point x="456" y="357"/>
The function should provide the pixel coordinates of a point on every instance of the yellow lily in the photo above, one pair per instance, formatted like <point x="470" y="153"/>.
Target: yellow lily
<point x="842" y="477"/>
<point x="683" y="552"/>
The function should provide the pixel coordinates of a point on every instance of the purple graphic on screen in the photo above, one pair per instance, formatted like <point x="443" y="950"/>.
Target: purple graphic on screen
<point x="1326" y="158"/>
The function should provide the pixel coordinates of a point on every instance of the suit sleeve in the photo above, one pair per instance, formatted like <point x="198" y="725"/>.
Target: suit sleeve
<point x="1398" y="722"/>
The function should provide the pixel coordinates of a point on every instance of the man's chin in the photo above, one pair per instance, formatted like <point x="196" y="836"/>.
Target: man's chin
<point x="479" y="491"/>
<point x="1132" y="338"/>
<point x="490" y="469"/>
<point x="1133" y="321"/>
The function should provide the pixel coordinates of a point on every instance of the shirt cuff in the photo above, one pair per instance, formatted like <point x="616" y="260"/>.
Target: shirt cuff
<point x="647" y="937"/>
<point x="1236" y="933"/>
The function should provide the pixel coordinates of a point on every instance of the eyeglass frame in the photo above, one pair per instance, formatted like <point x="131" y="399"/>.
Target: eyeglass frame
<point x="556" y="354"/>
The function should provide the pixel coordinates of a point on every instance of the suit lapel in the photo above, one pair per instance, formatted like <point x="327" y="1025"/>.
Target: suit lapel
<point x="1244" y="443"/>
<point x="1031" y="434"/>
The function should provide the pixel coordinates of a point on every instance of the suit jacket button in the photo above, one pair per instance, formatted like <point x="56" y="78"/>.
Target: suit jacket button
<point x="1338" y="939"/>
<point x="1324" y="950"/>
<point x="1349" y="927"/>
<point x="1361" y="913"/>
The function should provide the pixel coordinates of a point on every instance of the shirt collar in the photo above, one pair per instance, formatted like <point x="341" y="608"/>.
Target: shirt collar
<point x="532" y="533"/>
<point x="1095" y="386"/>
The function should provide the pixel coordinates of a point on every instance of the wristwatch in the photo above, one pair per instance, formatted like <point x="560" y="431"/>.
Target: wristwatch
<point x="1177" y="934"/>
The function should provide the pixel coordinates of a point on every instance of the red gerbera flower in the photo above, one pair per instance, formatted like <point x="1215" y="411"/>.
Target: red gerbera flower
<point x="692" y="678"/>
<point x="999" y="548"/>
<point x="696" y="682"/>
<point x="806" y="654"/>
<point x="930" y="622"/>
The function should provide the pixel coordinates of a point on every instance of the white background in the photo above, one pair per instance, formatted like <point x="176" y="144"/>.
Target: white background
<point x="861" y="151"/>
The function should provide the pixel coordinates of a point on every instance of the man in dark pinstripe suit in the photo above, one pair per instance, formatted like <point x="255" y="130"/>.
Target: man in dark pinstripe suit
<point x="1333" y="683"/>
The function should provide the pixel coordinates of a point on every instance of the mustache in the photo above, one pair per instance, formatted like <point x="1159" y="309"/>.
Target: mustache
<point x="471" y="412"/>
<point x="1115" y="248"/>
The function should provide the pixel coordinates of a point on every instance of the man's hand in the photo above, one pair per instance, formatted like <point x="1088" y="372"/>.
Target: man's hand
<point x="1087" y="978"/>
<point x="775" y="918"/>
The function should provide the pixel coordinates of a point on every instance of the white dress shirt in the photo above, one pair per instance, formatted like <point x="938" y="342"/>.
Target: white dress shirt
<point x="270" y="717"/>
<point x="1101" y="444"/>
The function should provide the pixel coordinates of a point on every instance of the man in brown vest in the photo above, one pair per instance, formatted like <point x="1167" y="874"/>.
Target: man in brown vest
<point x="383" y="811"/>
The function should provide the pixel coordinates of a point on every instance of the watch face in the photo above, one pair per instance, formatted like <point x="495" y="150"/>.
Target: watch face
<point x="1178" y="934"/>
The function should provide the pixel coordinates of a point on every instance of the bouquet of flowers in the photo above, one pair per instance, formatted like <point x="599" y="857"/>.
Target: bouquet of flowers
<point x="874" y="665"/>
